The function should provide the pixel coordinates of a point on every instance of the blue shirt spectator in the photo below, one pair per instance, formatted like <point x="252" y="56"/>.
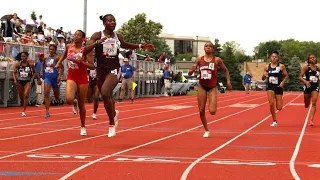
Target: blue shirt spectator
<point x="127" y="70"/>
<point x="247" y="79"/>
<point x="39" y="64"/>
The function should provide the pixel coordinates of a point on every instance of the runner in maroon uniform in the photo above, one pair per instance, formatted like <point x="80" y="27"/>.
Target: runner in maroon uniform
<point x="208" y="68"/>
<point x="107" y="44"/>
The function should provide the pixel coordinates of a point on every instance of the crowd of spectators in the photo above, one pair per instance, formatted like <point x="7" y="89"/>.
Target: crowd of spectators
<point x="32" y="32"/>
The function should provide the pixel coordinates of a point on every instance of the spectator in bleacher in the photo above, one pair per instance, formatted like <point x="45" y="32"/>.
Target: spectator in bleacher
<point x="19" y="27"/>
<point x="167" y="80"/>
<point x="15" y="19"/>
<point x="8" y="29"/>
<point x="48" y="32"/>
<point x="127" y="79"/>
<point x="61" y="42"/>
<point x="40" y="93"/>
<point x="147" y="58"/>
<point x="177" y="77"/>
<point x="167" y="60"/>
<point x="246" y="82"/>
<point x="40" y="20"/>
<point x="162" y="57"/>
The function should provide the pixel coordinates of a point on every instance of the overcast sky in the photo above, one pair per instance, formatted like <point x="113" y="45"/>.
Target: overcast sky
<point x="247" y="22"/>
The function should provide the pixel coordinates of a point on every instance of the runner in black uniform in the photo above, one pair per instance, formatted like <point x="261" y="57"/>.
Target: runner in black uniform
<point x="311" y="84"/>
<point x="23" y="74"/>
<point x="107" y="45"/>
<point x="93" y="90"/>
<point x="276" y="75"/>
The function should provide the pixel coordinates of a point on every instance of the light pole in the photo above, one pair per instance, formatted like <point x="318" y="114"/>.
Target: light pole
<point x="197" y="47"/>
<point x="85" y="16"/>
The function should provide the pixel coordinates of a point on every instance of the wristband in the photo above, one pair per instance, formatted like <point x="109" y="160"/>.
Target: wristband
<point x="97" y="42"/>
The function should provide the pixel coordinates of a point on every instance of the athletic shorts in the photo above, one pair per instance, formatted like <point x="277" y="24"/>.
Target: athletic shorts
<point x="206" y="88"/>
<point x="78" y="78"/>
<point x="277" y="90"/>
<point x="102" y="74"/>
<point x="23" y="82"/>
<point x="313" y="87"/>
<point x="52" y="81"/>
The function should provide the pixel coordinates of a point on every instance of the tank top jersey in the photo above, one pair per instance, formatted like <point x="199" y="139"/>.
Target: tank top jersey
<point x="274" y="76"/>
<point x="312" y="76"/>
<point x="75" y="69"/>
<point x="208" y="72"/>
<point x="107" y="53"/>
<point x="49" y="68"/>
<point x="24" y="72"/>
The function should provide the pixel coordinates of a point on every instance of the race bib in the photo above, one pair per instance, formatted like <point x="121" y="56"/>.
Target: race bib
<point x="73" y="65"/>
<point x="273" y="80"/>
<point x="205" y="74"/>
<point x="115" y="72"/>
<point x="93" y="74"/>
<point x="49" y="70"/>
<point x="211" y="66"/>
<point x="111" y="49"/>
<point x="24" y="74"/>
<point x="77" y="57"/>
<point x="313" y="79"/>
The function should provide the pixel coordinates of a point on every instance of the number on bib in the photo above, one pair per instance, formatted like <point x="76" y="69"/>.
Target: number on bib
<point x="314" y="79"/>
<point x="110" y="49"/>
<point x="24" y="74"/>
<point x="93" y="74"/>
<point x="73" y="65"/>
<point x="273" y="80"/>
<point x="49" y="70"/>
<point x="205" y="74"/>
<point x="115" y="72"/>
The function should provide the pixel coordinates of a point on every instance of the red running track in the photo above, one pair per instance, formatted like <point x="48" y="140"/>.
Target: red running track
<point x="161" y="138"/>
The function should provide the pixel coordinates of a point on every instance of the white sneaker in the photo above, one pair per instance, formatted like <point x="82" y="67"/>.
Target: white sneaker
<point x="206" y="134"/>
<point x="83" y="131"/>
<point x="23" y="114"/>
<point x="94" y="116"/>
<point x="274" y="124"/>
<point x="75" y="107"/>
<point x="116" y="119"/>
<point x="112" y="131"/>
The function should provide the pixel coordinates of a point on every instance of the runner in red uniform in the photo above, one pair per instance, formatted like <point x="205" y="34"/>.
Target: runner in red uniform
<point x="107" y="44"/>
<point x="208" y="68"/>
<point x="77" y="79"/>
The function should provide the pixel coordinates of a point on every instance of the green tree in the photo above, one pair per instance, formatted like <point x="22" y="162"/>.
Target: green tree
<point x="139" y="30"/>
<point x="294" y="83"/>
<point x="33" y="15"/>
<point x="265" y="49"/>
<point x="217" y="47"/>
<point x="233" y="66"/>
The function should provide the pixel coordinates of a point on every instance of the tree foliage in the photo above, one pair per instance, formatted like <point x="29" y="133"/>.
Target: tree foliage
<point x="33" y="15"/>
<point x="217" y="47"/>
<point x="229" y="59"/>
<point x="292" y="46"/>
<point x="140" y="30"/>
<point x="294" y="84"/>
